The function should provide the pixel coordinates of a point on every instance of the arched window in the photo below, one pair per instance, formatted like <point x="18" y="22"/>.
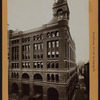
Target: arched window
<point x="25" y="76"/>
<point x="38" y="77"/>
<point x="60" y="14"/>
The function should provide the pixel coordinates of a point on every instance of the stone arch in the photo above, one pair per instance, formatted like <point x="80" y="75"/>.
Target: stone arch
<point x="52" y="94"/>
<point x="14" y="88"/>
<point x="25" y="76"/>
<point x="37" y="77"/>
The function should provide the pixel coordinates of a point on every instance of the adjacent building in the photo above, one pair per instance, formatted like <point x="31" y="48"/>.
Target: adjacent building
<point x="42" y="61"/>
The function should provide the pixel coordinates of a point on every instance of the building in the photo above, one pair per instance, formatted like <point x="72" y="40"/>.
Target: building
<point x="42" y="61"/>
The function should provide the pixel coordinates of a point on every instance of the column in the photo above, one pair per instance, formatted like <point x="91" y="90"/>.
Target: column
<point x="20" y="89"/>
<point x="45" y="93"/>
<point x="9" y="87"/>
<point x="31" y="53"/>
<point x="20" y="53"/>
<point x="31" y="89"/>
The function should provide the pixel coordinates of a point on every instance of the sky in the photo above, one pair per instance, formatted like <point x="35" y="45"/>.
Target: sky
<point x="28" y="14"/>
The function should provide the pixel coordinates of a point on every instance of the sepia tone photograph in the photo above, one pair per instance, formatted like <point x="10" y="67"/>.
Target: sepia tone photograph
<point x="48" y="49"/>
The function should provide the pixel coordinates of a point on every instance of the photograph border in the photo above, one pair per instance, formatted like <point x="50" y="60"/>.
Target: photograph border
<point x="93" y="50"/>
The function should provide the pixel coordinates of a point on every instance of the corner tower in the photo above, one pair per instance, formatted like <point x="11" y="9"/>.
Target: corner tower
<point x="61" y="10"/>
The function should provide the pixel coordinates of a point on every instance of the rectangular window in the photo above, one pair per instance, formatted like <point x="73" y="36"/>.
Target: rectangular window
<point x="41" y="64"/>
<point x="57" y="43"/>
<point x="35" y="46"/>
<point x="41" y="55"/>
<point x="57" y="54"/>
<point x="53" y="34"/>
<point x="34" y="64"/>
<point x="38" y="65"/>
<point x="52" y="65"/>
<point x="48" y="64"/>
<point x="48" y="55"/>
<point x="28" y="64"/>
<point x="42" y="46"/>
<point x="53" y="44"/>
<point x="38" y="46"/>
<point x="34" y="56"/>
<point x="49" y="44"/>
<point x="57" y="33"/>
<point x="57" y="65"/>
<point x="53" y="53"/>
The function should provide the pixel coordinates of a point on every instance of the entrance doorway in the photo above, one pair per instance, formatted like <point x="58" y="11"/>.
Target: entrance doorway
<point x="14" y="88"/>
<point x="52" y="94"/>
<point x="38" y="92"/>
<point x="25" y="89"/>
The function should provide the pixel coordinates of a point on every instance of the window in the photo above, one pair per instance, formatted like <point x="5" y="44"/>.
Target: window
<point x="49" y="54"/>
<point x="57" y="43"/>
<point x="48" y="77"/>
<point x="48" y="35"/>
<point x="49" y="44"/>
<point x="34" y="37"/>
<point x="38" y="65"/>
<point x="38" y="46"/>
<point x="57" y="54"/>
<point x="38" y="56"/>
<point x="41" y="45"/>
<point x="52" y="65"/>
<point x="27" y="39"/>
<point x="53" y="53"/>
<point x="23" y="64"/>
<point x="57" y="78"/>
<point x="34" y="56"/>
<point x="41" y="36"/>
<point x="57" y="33"/>
<point x="41" y="64"/>
<point x="15" y="53"/>
<point x="57" y="65"/>
<point x="52" y="78"/>
<point x="35" y="64"/>
<point x="41" y="55"/>
<point x="35" y="46"/>
<point x="53" y="44"/>
<point x="53" y="34"/>
<point x="38" y="37"/>
<point x="48" y="64"/>
<point x="28" y="64"/>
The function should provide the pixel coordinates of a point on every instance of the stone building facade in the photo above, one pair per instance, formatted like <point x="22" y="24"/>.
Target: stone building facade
<point x="42" y="61"/>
